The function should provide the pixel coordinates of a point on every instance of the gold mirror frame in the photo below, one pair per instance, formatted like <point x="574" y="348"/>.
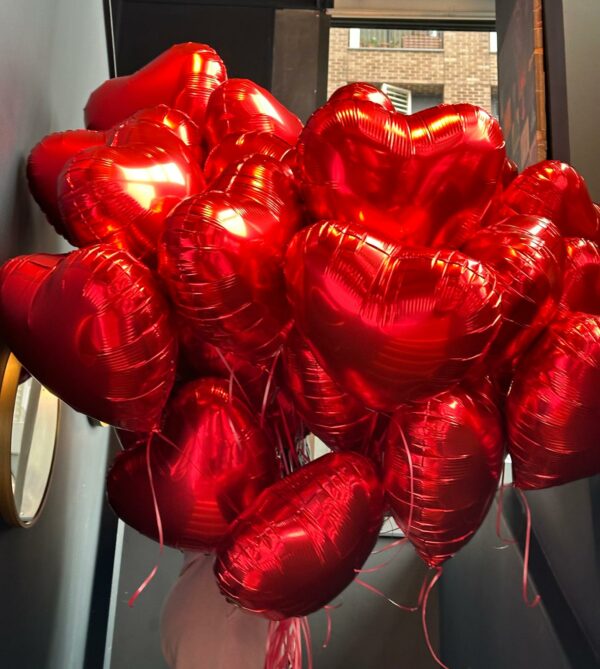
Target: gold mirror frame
<point x="10" y="373"/>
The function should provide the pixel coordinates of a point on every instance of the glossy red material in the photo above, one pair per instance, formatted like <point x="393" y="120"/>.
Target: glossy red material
<point x="581" y="291"/>
<point x="509" y="173"/>
<point x="93" y="327"/>
<point x="46" y="162"/>
<point x="389" y="323"/>
<point x="553" y="190"/>
<point x="182" y="77"/>
<point x="141" y="129"/>
<point x="221" y="259"/>
<point x="236" y="148"/>
<point x="456" y="451"/>
<point x="240" y="105"/>
<point x="337" y="418"/>
<point x="122" y="195"/>
<point x="359" y="90"/>
<point x="211" y="465"/>
<point x="527" y="255"/>
<point x="404" y="177"/>
<point x="299" y="544"/>
<point x="553" y="405"/>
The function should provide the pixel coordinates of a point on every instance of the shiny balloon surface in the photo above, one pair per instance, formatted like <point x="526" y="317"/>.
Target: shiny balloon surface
<point x="221" y="259"/>
<point x="401" y="176"/>
<point x="456" y="450"/>
<point x="553" y="405"/>
<point x="299" y="544"/>
<point x="527" y="256"/>
<point x="93" y="327"/>
<point x="122" y="195"/>
<point x="581" y="290"/>
<point x="182" y="77"/>
<point x="359" y="90"/>
<point x="212" y="462"/>
<point x="240" y="105"/>
<point x="389" y="323"/>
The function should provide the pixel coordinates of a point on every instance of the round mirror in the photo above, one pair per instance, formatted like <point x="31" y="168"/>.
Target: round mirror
<point x="28" y="429"/>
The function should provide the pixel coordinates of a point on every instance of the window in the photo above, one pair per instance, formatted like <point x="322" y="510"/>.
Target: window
<point x="493" y="42"/>
<point x="375" y="38"/>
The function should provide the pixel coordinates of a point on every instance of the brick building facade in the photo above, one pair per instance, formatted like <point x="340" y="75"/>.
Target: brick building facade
<point x="436" y="67"/>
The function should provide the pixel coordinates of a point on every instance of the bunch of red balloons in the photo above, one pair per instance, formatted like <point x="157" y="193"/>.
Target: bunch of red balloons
<point x="389" y="283"/>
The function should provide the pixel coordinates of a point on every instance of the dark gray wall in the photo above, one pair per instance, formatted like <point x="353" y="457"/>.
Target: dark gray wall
<point x="52" y="54"/>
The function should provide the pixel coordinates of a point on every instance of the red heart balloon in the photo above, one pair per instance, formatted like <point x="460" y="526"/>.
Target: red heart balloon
<point x="299" y="544"/>
<point x="93" y="327"/>
<point x="236" y="148"/>
<point x="240" y="105"/>
<point x="359" y="90"/>
<point x="582" y="276"/>
<point x="141" y="129"/>
<point x="221" y="258"/>
<point x="122" y="195"/>
<point x="182" y="77"/>
<point x="336" y="417"/>
<point x="46" y="162"/>
<point x="456" y="449"/>
<point x="552" y="190"/>
<point x="388" y="323"/>
<point x="401" y="176"/>
<point x="553" y="405"/>
<point x="213" y="463"/>
<point x="527" y="254"/>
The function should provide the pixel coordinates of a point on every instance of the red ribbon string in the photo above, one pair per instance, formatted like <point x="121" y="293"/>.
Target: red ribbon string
<point x="502" y="486"/>
<point x="159" y="526"/>
<point x="434" y="580"/>
<point x="263" y="409"/>
<point x="536" y="600"/>
<point x="412" y="479"/>
<point x="372" y="588"/>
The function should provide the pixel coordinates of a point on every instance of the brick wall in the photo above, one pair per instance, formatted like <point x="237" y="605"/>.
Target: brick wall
<point x="465" y="69"/>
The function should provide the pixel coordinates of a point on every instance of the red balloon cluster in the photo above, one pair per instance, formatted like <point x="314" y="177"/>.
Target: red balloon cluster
<point x="389" y="283"/>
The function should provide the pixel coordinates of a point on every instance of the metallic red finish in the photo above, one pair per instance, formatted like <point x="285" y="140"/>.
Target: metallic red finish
<point x="359" y="90"/>
<point x="46" y="162"/>
<point x="93" y="327"/>
<point x="456" y="449"/>
<point x="404" y="177"/>
<point x="236" y="148"/>
<point x="221" y="259"/>
<point x="581" y="290"/>
<point x="554" y="404"/>
<point x="527" y="255"/>
<point x="552" y="190"/>
<point x="337" y="418"/>
<point x="122" y="195"/>
<point x="389" y="323"/>
<point x="182" y="77"/>
<point x="140" y="129"/>
<point x="299" y="544"/>
<point x="510" y="172"/>
<point x="215" y="463"/>
<point x="240" y="105"/>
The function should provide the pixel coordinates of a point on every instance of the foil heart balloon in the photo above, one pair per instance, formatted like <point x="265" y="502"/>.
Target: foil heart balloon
<point x="555" y="191"/>
<point x="336" y="417"/>
<point x="140" y="128"/>
<point x="240" y="105"/>
<point x="210" y="461"/>
<point x="388" y="323"/>
<point x="553" y="405"/>
<point x="93" y="327"/>
<point x="527" y="255"/>
<point x="582" y="276"/>
<point x="46" y="162"/>
<point x="359" y="90"/>
<point x="441" y="495"/>
<point x="182" y="77"/>
<point x="221" y="260"/>
<point x="122" y="195"/>
<point x="236" y="148"/>
<point x="404" y="177"/>
<point x="299" y="544"/>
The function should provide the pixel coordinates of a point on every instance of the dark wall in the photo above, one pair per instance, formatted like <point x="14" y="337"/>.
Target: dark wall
<point x="52" y="54"/>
